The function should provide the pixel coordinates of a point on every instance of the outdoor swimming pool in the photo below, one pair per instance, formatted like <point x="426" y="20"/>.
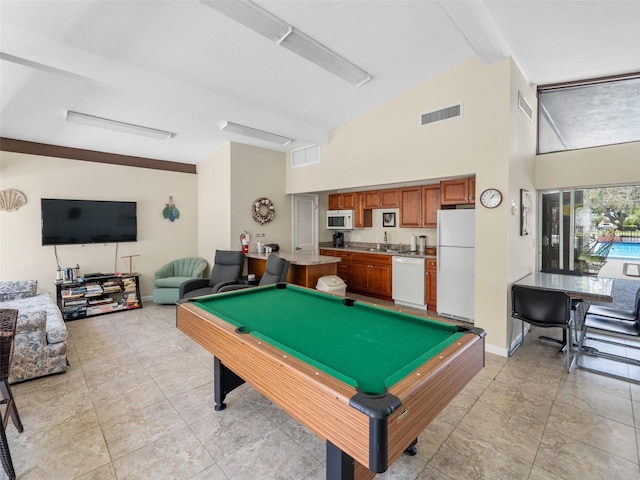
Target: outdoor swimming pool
<point x="624" y="251"/>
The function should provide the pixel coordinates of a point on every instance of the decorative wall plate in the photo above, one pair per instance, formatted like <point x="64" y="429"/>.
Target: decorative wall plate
<point x="11" y="200"/>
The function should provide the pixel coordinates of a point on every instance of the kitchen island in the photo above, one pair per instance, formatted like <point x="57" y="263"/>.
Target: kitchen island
<point x="304" y="268"/>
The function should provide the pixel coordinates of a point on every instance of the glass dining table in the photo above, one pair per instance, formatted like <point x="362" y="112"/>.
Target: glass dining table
<point x="586" y="288"/>
<point x="582" y="290"/>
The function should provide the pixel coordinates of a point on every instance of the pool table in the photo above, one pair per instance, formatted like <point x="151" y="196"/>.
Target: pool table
<point x="365" y="379"/>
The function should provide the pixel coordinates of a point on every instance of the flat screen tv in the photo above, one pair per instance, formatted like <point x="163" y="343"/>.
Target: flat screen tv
<point x="69" y="222"/>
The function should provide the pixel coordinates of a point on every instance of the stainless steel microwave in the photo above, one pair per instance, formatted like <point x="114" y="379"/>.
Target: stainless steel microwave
<point x="340" y="219"/>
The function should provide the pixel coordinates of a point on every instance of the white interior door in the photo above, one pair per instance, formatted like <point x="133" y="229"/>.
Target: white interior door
<point x="305" y="223"/>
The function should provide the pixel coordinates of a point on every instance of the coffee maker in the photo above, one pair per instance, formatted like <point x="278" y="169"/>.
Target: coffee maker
<point x="338" y="239"/>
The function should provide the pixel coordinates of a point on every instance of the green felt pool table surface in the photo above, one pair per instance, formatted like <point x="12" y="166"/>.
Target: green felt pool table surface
<point x="366" y="346"/>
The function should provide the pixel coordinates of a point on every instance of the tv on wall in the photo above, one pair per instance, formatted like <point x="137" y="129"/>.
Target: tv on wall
<point x="72" y="222"/>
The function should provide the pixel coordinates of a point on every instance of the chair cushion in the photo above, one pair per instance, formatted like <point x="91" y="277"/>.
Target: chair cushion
<point x="198" y="292"/>
<point x="612" y="312"/>
<point x="14" y="290"/>
<point x="35" y="321"/>
<point x="170" y="282"/>
<point x="612" y="325"/>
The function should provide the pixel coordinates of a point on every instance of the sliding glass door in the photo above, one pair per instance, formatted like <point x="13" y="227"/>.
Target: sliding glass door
<point x="583" y="229"/>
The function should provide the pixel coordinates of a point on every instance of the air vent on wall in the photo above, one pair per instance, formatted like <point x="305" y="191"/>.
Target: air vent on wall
<point x="442" y="114"/>
<point x="525" y="107"/>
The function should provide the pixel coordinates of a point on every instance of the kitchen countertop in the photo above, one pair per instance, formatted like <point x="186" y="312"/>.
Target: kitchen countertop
<point x="296" y="258"/>
<point x="395" y="253"/>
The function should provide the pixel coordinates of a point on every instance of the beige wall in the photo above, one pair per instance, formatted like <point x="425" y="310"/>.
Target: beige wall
<point x="255" y="173"/>
<point x="520" y="258"/>
<point x="387" y="145"/>
<point x="23" y="257"/>
<point x="214" y="201"/>
<point x="610" y="165"/>
<point x="228" y="183"/>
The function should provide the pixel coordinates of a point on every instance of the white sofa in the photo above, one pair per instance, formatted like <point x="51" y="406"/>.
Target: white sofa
<point x="40" y="346"/>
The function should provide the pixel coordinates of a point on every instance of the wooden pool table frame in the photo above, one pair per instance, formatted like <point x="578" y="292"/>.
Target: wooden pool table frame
<point x="358" y="444"/>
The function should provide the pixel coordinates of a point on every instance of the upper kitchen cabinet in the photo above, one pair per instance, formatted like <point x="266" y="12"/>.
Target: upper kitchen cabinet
<point x="419" y="206"/>
<point x="411" y="207"/>
<point x="431" y="205"/>
<point x="364" y="217"/>
<point x="458" y="192"/>
<point x="342" y="201"/>
<point x="388" y="198"/>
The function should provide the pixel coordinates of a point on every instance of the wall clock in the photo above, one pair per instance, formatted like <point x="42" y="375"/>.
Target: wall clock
<point x="491" y="198"/>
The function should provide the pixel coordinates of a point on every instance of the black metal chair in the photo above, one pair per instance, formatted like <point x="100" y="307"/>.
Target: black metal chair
<point x="544" y="308"/>
<point x="8" y="319"/>
<point x="610" y="324"/>
<point x="227" y="268"/>
<point x="276" y="271"/>
<point x="632" y="315"/>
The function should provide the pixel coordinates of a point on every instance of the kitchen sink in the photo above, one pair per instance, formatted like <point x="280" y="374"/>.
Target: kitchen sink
<point x="388" y="250"/>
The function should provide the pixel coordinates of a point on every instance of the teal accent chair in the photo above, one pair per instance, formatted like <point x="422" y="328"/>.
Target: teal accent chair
<point x="170" y="276"/>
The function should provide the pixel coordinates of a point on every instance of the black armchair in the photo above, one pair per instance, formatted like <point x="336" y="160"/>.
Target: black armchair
<point x="544" y="308"/>
<point x="227" y="268"/>
<point x="276" y="271"/>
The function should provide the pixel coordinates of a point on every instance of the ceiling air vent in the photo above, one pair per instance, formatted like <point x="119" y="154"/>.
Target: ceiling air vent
<point x="442" y="114"/>
<point x="525" y="107"/>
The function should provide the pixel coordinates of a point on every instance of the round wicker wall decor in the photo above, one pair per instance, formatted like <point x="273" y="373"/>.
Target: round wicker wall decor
<point x="263" y="210"/>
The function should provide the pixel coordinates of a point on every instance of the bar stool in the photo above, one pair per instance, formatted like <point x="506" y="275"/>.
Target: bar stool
<point x="8" y="319"/>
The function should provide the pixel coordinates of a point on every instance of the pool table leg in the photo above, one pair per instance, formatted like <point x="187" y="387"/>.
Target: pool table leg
<point x="340" y="466"/>
<point x="224" y="381"/>
<point x="411" y="450"/>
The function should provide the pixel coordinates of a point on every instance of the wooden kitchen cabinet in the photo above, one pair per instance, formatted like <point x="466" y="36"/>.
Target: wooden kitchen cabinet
<point x="344" y="266"/>
<point x="342" y="201"/>
<point x="371" y="274"/>
<point x="388" y="198"/>
<point x="458" y="192"/>
<point x="430" y="205"/>
<point x="364" y="217"/>
<point x="419" y="206"/>
<point x="411" y="207"/>
<point x="431" y="284"/>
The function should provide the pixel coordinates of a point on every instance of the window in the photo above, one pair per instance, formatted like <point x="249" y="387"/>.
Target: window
<point x="591" y="231"/>
<point x="305" y="156"/>
<point x="589" y="113"/>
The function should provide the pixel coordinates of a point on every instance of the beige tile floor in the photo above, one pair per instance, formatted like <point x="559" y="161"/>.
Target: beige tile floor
<point x="137" y="403"/>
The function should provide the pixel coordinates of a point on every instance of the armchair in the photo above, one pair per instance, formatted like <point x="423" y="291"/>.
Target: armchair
<point x="170" y="276"/>
<point x="276" y="271"/>
<point x="227" y="268"/>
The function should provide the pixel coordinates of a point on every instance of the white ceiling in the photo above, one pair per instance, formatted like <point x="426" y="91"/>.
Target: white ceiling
<point x="183" y="67"/>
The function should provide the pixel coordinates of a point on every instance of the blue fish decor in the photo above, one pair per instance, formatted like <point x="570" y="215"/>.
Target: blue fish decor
<point x="170" y="211"/>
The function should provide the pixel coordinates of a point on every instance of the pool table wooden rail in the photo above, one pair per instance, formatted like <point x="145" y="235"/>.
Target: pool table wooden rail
<point x="321" y="402"/>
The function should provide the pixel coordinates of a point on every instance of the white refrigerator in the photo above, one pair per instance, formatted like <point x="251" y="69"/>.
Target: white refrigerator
<point x="456" y="263"/>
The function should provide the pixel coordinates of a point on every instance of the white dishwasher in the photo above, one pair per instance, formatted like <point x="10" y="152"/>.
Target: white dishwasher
<point x="408" y="282"/>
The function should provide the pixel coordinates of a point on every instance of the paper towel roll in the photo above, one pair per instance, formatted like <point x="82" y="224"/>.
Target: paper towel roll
<point x="412" y="243"/>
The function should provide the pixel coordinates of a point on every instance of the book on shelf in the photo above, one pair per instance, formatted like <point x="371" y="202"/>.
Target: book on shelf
<point x="76" y="301"/>
<point x="107" y="307"/>
<point x="100" y="301"/>
<point x="71" y="296"/>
